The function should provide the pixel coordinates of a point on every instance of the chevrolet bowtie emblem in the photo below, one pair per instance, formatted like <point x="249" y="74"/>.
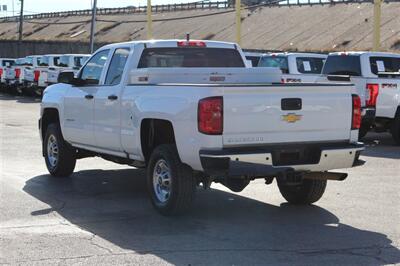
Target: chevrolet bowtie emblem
<point x="291" y="118"/>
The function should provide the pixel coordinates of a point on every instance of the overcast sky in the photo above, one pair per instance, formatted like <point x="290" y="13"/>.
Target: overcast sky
<point x="38" y="6"/>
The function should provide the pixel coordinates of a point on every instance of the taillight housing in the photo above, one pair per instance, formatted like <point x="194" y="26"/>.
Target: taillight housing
<point x="36" y="75"/>
<point x="17" y="73"/>
<point x="356" y="118"/>
<point x="373" y="90"/>
<point x="1" y="72"/>
<point x="210" y="117"/>
<point x="191" y="44"/>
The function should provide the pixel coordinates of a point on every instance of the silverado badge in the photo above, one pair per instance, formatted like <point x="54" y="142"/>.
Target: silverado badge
<point x="291" y="118"/>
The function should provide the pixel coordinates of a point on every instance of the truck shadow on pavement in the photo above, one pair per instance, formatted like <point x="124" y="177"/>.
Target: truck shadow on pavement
<point x="380" y="145"/>
<point x="222" y="228"/>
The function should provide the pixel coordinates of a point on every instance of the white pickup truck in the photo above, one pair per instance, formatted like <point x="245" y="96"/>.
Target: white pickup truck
<point x="66" y="62"/>
<point x="192" y="113"/>
<point x="296" y="67"/>
<point x="377" y="79"/>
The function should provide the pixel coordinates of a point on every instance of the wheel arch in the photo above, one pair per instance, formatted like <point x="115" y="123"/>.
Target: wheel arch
<point x="154" y="132"/>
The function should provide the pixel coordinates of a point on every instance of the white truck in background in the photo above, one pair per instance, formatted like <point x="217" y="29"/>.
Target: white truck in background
<point x="31" y="76"/>
<point x="66" y="62"/>
<point x="4" y="63"/>
<point x="46" y="63"/>
<point x="14" y="75"/>
<point x="253" y="57"/>
<point x="377" y="79"/>
<point x="296" y="67"/>
<point x="192" y="113"/>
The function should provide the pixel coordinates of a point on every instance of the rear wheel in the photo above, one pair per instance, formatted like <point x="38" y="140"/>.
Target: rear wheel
<point x="395" y="129"/>
<point x="170" y="183"/>
<point x="59" y="155"/>
<point x="307" y="192"/>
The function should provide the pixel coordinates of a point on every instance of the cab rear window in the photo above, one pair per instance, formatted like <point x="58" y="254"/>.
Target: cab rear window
<point x="190" y="57"/>
<point x="342" y="65"/>
<point x="275" y="61"/>
<point x="309" y="65"/>
<point x="384" y="64"/>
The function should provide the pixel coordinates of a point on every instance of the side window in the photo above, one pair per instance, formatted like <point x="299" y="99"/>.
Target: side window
<point x="91" y="73"/>
<point x="384" y="64"/>
<point x="117" y="66"/>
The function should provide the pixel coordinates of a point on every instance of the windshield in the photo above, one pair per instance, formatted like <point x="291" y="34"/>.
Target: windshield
<point x="384" y="64"/>
<point x="64" y="61"/>
<point x="7" y="63"/>
<point x="80" y="60"/>
<point x="275" y="61"/>
<point x="190" y="57"/>
<point x="310" y="65"/>
<point x="342" y="65"/>
<point x="43" y="61"/>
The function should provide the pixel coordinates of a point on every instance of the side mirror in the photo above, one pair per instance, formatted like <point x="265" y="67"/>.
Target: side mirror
<point x="66" y="77"/>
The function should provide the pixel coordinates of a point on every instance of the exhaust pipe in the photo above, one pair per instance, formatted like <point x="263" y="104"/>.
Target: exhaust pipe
<point x="325" y="176"/>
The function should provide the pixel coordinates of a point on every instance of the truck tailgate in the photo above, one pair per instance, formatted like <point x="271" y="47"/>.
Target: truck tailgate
<point x="284" y="113"/>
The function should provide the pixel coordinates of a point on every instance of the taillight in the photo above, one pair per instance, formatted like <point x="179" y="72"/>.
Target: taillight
<point x="356" y="119"/>
<point x="282" y="80"/>
<point x="373" y="90"/>
<point x="191" y="44"/>
<point x="17" y="73"/>
<point x="1" y="72"/>
<point x="210" y="115"/>
<point x="36" y="75"/>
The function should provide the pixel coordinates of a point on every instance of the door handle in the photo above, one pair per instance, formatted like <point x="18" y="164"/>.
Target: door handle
<point x="89" y="96"/>
<point x="112" y="97"/>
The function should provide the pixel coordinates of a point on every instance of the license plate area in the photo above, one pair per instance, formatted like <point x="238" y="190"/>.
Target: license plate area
<point x="296" y="156"/>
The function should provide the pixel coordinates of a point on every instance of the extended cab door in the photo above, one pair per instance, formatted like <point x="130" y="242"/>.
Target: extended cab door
<point x="79" y="102"/>
<point x="107" y="114"/>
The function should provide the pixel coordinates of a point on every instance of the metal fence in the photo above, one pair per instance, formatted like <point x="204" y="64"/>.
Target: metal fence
<point x="183" y="7"/>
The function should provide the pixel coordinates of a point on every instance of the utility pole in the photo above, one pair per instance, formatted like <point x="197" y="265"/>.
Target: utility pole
<point x="238" y="22"/>
<point x="21" y="21"/>
<point x="149" y="21"/>
<point x="377" y="25"/>
<point x="93" y="26"/>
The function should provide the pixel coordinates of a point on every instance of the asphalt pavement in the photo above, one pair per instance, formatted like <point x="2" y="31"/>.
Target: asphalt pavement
<point x="102" y="215"/>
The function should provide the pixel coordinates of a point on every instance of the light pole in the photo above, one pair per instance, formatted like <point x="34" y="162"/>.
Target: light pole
<point x="21" y="22"/>
<point x="93" y="26"/>
<point x="149" y="21"/>
<point x="238" y="22"/>
<point x="377" y="25"/>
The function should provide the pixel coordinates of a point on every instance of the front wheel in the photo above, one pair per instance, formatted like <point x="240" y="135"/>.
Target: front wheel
<point x="170" y="183"/>
<point x="59" y="155"/>
<point x="307" y="192"/>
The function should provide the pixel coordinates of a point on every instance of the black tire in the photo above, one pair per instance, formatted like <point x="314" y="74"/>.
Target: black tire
<point x="66" y="155"/>
<point x="308" y="192"/>
<point x="182" y="185"/>
<point x="362" y="132"/>
<point x="395" y="129"/>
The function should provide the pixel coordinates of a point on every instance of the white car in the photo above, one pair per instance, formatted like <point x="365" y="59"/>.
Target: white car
<point x="4" y="63"/>
<point x="66" y="62"/>
<point x="192" y="113"/>
<point x="377" y="79"/>
<point x="296" y="67"/>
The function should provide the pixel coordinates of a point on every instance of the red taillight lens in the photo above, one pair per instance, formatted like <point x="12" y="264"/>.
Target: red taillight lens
<point x="373" y="90"/>
<point x="191" y="44"/>
<point x="36" y="75"/>
<point x="210" y="115"/>
<point x="1" y="72"/>
<point x="17" y="73"/>
<point x="356" y="119"/>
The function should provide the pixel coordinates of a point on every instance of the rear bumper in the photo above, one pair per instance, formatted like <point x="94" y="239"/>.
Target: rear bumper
<point x="276" y="160"/>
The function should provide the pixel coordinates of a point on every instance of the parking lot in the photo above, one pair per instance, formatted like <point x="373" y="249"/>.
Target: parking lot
<point x="102" y="213"/>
